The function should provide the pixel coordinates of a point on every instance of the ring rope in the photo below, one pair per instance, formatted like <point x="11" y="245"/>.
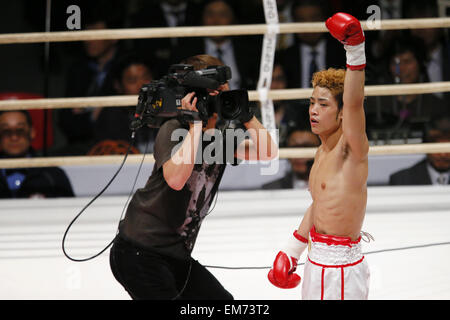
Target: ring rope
<point x="202" y="31"/>
<point x="284" y="153"/>
<point x="284" y="94"/>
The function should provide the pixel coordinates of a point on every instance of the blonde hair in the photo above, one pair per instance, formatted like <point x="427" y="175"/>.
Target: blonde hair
<point x="333" y="80"/>
<point x="202" y="61"/>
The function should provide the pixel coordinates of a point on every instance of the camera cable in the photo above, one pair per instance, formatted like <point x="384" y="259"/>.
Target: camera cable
<point x="132" y="141"/>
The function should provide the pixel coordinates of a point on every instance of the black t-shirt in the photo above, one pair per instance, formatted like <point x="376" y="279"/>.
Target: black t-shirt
<point x="163" y="219"/>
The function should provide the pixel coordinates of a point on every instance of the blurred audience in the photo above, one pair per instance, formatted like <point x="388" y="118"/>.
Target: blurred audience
<point x="298" y="176"/>
<point x="85" y="78"/>
<point x="127" y="76"/>
<point x="311" y="52"/>
<point x="239" y="53"/>
<point x="284" y="7"/>
<point x="164" y="13"/>
<point x="436" y="42"/>
<point x="403" y="116"/>
<point x="288" y="113"/>
<point x="435" y="168"/>
<point x="16" y="134"/>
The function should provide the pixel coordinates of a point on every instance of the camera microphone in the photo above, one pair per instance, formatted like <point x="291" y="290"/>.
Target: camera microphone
<point x="136" y="124"/>
<point x="140" y="107"/>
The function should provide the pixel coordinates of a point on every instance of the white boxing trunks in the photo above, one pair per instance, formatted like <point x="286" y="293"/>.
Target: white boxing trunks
<point x="335" y="269"/>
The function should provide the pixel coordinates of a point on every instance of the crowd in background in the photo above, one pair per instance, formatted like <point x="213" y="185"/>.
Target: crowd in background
<point x="121" y="67"/>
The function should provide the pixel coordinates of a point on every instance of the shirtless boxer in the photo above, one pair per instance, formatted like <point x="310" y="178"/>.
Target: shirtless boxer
<point x="335" y="267"/>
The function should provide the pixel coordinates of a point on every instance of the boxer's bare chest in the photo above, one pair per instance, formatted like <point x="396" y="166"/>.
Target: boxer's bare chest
<point x="326" y="172"/>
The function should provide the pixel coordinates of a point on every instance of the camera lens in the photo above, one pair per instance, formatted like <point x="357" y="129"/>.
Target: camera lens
<point x="231" y="102"/>
<point x="229" y="109"/>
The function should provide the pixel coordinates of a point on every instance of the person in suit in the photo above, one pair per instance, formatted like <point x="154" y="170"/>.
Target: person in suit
<point x="16" y="134"/>
<point x="297" y="177"/>
<point x="435" y="168"/>
<point x="157" y="14"/>
<point x="236" y="52"/>
<point x="86" y="77"/>
<point x="403" y="116"/>
<point x="311" y="52"/>
<point x="288" y="113"/>
<point x="112" y="125"/>
<point x="435" y="40"/>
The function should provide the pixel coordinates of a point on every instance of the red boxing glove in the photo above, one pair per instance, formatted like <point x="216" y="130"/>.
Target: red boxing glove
<point x="347" y="29"/>
<point x="282" y="274"/>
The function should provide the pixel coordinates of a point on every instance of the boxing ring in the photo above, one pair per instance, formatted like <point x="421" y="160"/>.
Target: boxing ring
<point x="408" y="260"/>
<point x="238" y="241"/>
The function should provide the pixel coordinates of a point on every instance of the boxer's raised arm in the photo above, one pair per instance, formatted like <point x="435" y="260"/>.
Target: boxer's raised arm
<point x="353" y="120"/>
<point x="347" y="29"/>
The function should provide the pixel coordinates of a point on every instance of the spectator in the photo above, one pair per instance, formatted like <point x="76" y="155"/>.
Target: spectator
<point x="127" y="77"/>
<point x="237" y="53"/>
<point x="284" y="8"/>
<point x="437" y="47"/>
<point x="250" y="13"/>
<point x="298" y="177"/>
<point x="389" y="9"/>
<point x="86" y="77"/>
<point x="311" y="51"/>
<point x="403" y="116"/>
<point x="16" y="133"/>
<point x="435" y="168"/>
<point x="165" y="13"/>
<point x="288" y="113"/>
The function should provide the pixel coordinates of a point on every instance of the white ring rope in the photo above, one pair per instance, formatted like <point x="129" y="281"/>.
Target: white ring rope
<point x="284" y="94"/>
<point x="202" y="31"/>
<point x="285" y="153"/>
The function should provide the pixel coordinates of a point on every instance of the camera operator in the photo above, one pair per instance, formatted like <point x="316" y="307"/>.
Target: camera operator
<point x="151" y="255"/>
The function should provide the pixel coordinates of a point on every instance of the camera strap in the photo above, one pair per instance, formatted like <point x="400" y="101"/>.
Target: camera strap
<point x="266" y="66"/>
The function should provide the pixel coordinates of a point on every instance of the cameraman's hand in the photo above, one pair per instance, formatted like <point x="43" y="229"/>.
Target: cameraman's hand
<point x="223" y="87"/>
<point x="246" y="114"/>
<point x="189" y="102"/>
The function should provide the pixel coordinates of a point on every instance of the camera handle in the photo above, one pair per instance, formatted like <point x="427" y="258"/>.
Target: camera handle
<point x="189" y="115"/>
<point x="136" y="124"/>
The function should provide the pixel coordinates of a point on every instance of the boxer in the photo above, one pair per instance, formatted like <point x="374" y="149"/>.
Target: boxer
<point x="335" y="267"/>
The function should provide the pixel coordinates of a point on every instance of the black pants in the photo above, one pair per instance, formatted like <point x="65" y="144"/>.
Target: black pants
<point x="148" y="275"/>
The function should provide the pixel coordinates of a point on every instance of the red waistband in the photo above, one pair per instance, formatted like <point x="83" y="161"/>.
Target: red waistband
<point x="330" y="239"/>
